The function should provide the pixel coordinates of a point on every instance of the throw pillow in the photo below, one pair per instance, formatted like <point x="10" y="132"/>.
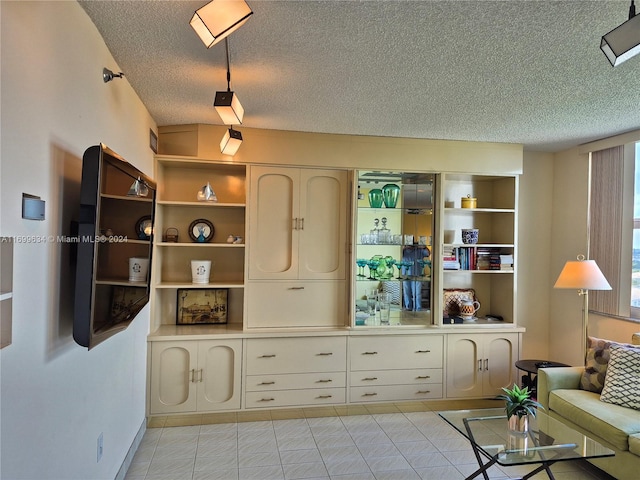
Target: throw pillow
<point x="595" y="368"/>
<point x="622" y="383"/>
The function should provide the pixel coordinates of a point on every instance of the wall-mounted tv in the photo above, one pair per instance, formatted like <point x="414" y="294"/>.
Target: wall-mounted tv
<point x="115" y="235"/>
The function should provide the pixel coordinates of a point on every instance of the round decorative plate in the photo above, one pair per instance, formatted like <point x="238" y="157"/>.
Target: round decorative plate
<point x="201" y="230"/>
<point x="144" y="227"/>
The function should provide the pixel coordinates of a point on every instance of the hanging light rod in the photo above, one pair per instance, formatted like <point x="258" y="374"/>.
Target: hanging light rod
<point x="227" y="103"/>
<point x="623" y="42"/>
<point x="218" y="18"/>
<point x="108" y="75"/>
<point x="231" y="142"/>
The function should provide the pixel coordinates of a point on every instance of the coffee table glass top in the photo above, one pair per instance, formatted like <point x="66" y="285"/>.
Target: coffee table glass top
<point x="548" y="440"/>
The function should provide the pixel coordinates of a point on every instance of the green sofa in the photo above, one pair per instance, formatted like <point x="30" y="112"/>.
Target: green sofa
<point x="614" y="426"/>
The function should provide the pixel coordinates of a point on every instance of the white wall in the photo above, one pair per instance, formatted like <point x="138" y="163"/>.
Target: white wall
<point x="57" y="397"/>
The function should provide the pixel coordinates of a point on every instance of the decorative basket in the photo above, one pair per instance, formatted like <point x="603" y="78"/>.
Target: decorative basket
<point x="170" y="235"/>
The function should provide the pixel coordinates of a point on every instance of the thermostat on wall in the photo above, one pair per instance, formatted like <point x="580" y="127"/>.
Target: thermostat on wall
<point x="32" y="207"/>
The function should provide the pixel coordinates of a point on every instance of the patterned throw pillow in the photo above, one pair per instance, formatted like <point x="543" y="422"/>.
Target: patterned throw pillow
<point x="622" y="383"/>
<point x="595" y="368"/>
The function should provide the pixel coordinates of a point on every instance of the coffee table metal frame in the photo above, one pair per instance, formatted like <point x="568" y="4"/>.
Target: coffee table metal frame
<point x="540" y="447"/>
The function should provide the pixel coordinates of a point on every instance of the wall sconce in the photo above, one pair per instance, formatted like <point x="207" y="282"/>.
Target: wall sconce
<point x="227" y="103"/>
<point x="231" y="142"/>
<point x="623" y="42"/>
<point x="219" y="18"/>
<point x="108" y="75"/>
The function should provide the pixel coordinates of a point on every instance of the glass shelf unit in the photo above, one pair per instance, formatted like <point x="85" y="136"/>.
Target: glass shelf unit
<point x="393" y="247"/>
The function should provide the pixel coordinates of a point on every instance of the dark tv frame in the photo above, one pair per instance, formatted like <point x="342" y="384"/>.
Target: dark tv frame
<point x="92" y="324"/>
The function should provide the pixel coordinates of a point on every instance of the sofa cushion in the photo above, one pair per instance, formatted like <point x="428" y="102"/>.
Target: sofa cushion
<point x="634" y="443"/>
<point x="622" y="382"/>
<point x="610" y="422"/>
<point x="596" y="363"/>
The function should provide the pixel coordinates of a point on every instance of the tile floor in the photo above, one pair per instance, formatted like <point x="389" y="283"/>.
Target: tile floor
<point x="385" y="442"/>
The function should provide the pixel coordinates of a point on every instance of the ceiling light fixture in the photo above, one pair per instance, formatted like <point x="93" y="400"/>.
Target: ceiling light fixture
<point x="219" y="18"/>
<point x="623" y="42"/>
<point x="226" y="103"/>
<point x="231" y="142"/>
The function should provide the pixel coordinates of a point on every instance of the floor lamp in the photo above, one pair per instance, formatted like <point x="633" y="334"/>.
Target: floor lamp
<point x="583" y="275"/>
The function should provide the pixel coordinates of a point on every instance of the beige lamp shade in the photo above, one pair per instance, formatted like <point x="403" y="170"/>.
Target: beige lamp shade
<point x="231" y="142"/>
<point x="582" y="275"/>
<point x="219" y="18"/>
<point x="229" y="108"/>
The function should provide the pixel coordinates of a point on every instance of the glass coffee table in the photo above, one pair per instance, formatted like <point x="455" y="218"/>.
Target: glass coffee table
<point x="547" y="442"/>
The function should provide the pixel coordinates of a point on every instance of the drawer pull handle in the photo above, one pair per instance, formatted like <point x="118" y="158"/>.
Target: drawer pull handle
<point x="267" y="399"/>
<point x="296" y="288"/>
<point x="370" y="353"/>
<point x="423" y="351"/>
<point x="486" y="364"/>
<point x="324" y="396"/>
<point x="369" y="394"/>
<point x="325" y="354"/>
<point x="267" y="383"/>
<point x="422" y="392"/>
<point x="193" y="374"/>
<point x="325" y="381"/>
<point x="370" y="379"/>
<point x="423" y="377"/>
<point x="268" y="356"/>
<point x="479" y="365"/>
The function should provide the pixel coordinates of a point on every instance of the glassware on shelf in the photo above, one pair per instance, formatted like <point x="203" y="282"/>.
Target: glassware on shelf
<point x="373" y="267"/>
<point x="390" y="194"/>
<point x="375" y="198"/>
<point x="374" y="238"/>
<point x="361" y="262"/>
<point x="372" y="298"/>
<point x="384" y="234"/>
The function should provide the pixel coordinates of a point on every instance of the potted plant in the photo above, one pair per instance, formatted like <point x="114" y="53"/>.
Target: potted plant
<point x="519" y="405"/>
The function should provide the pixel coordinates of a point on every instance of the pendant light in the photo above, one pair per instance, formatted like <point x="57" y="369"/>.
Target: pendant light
<point x="623" y="42"/>
<point x="226" y="103"/>
<point x="231" y="142"/>
<point x="219" y="18"/>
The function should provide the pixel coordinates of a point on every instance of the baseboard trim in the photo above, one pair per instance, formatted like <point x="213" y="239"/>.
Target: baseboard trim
<point x="132" y="451"/>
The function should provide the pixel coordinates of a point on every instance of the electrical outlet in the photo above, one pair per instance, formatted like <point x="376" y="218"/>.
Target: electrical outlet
<point x="100" y="446"/>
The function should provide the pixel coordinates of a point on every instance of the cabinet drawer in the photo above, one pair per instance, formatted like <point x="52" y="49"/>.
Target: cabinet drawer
<point x="296" y="304"/>
<point x="296" y="355"/>
<point x="294" y="381"/>
<point x="387" y="393"/>
<point x="396" y="352"/>
<point x="286" y="398"/>
<point x="396" y="377"/>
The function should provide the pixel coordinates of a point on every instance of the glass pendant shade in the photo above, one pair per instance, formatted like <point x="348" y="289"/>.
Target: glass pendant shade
<point x="623" y="42"/>
<point x="229" y="108"/>
<point x="219" y="18"/>
<point x="231" y="142"/>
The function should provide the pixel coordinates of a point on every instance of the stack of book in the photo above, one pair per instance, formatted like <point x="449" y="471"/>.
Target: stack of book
<point x="450" y="259"/>
<point x="506" y="262"/>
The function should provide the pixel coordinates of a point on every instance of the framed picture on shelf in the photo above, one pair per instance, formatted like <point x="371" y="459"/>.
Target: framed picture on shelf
<point x="126" y="302"/>
<point x="197" y="306"/>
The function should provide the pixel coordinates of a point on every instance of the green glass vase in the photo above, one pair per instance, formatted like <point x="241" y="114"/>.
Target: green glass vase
<point x="375" y="198"/>
<point x="390" y="195"/>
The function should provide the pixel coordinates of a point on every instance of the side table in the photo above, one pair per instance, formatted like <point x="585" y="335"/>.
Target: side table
<point x="531" y="368"/>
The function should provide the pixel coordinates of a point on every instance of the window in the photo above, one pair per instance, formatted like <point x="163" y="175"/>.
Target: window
<point x="635" y="257"/>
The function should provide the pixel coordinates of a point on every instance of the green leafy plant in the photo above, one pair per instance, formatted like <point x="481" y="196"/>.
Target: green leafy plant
<point x="519" y="402"/>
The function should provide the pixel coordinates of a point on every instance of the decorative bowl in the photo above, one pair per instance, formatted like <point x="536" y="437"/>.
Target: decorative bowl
<point x="470" y="235"/>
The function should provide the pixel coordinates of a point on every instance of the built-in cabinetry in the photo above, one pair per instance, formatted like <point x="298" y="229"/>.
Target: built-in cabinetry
<point x="295" y="371"/>
<point x="479" y="268"/>
<point x="195" y="376"/>
<point x="6" y="290"/>
<point x="393" y="247"/>
<point x="297" y="248"/>
<point x="480" y="364"/>
<point x="177" y="207"/>
<point x="389" y="368"/>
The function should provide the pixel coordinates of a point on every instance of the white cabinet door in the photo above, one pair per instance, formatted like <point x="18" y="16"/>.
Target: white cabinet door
<point x="219" y="365"/>
<point x="190" y="376"/>
<point x="298" y="223"/>
<point x="479" y="365"/>
<point x="173" y="366"/>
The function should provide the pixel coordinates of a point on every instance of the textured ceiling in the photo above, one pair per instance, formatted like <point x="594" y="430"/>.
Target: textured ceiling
<point x="528" y="72"/>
